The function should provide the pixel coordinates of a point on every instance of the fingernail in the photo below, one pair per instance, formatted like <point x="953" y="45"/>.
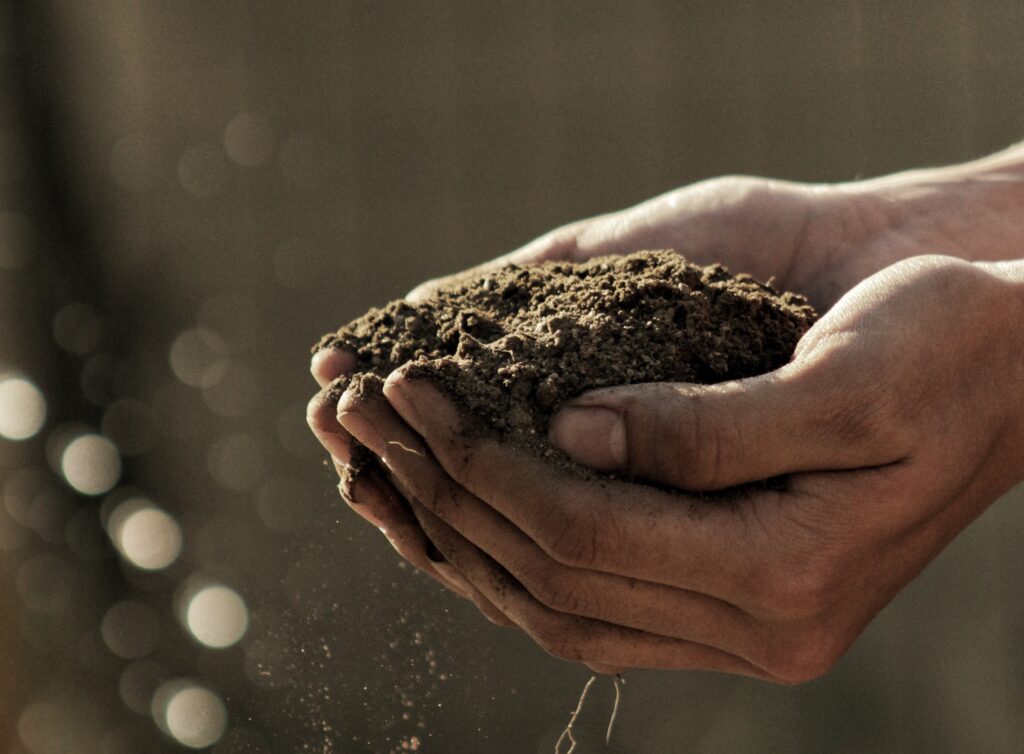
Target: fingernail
<point x="433" y="554"/>
<point x="362" y="430"/>
<point x="593" y="436"/>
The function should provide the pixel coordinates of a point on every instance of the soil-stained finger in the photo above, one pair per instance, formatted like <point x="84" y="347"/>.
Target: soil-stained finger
<point x="572" y="637"/>
<point x="604" y="524"/>
<point x="322" y="418"/>
<point x="374" y="498"/>
<point x="651" y="607"/>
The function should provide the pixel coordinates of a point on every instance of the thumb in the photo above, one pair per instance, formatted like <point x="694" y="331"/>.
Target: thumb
<point x="708" y="437"/>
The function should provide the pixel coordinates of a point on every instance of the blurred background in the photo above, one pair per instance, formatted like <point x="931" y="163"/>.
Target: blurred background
<point x="191" y="192"/>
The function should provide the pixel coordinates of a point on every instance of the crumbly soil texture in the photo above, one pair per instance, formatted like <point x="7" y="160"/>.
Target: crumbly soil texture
<point x="513" y="344"/>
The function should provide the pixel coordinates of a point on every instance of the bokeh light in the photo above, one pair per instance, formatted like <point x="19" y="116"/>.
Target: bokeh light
<point x="91" y="464"/>
<point x="249" y="140"/>
<point x="236" y="394"/>
<point x="49" y="512"/>
<point x="131" y="629"/>
<point x="97" y="379"/>
<point x="42" y="728"/>
<point x="198" y="357"/>
<point x="22" y="408"/>
<point x="217" y="616"/>
<point x="77" y="329"/>
<point x="193" y="715"/>
<point x="145" y="535"/>
<point x="137" y="684"/>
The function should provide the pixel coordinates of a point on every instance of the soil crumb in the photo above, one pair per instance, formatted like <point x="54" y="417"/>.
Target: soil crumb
<point x="513" y="344"/>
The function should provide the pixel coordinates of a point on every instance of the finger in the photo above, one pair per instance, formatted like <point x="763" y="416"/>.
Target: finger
<point x="446" y="571"/>
<point x="571" y="637"/>
<point x="458" y="583"/>
<point x="373" y="497"/>
<point x="802" y="417"/>
<point x="322" y="418"/>
<point x="328" y="364"/>
<point x="656" y="608"/>
<point x="597" y="524"/>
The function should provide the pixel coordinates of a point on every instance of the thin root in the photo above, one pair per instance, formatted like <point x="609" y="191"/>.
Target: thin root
<point x="406" y="449"/>
<point x="618" y="682"/>
<point x="567" y="733"/>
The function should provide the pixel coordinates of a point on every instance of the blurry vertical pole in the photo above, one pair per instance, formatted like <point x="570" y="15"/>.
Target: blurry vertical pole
<point x="47" y="259"/>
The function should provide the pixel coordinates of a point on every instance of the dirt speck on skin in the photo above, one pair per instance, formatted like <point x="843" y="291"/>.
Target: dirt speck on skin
<point x="513" y="344"/>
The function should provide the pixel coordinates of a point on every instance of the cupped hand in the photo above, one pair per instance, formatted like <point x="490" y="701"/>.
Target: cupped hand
<point x="897" y="422"/>
<point x="816" y="239"/>
<point x="753" y="225"/>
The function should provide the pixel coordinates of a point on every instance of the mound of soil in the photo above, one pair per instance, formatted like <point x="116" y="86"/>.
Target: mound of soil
<point x="513" y="344"/>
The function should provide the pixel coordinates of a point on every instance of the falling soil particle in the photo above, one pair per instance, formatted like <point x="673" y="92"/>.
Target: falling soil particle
<point x="513" y="344"/>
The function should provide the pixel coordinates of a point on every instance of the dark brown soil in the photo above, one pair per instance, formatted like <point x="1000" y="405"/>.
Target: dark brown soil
<point x="512" y="345"/>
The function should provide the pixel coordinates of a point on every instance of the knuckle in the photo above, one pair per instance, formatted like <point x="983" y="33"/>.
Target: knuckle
<point x="709" y="442"/>
<point x="870" y="416"/>
<point x="560" y="592"/>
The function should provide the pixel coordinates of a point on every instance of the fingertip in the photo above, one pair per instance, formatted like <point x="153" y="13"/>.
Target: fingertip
<point x="329" y="363"/>
<point x="405" y="393"/>
<point x="322" y="421"/>
<point x="347" y="403"/>
<point x="398" y="380"/>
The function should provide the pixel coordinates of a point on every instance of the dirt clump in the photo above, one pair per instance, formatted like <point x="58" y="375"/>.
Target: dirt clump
<point x="513" y="344"/>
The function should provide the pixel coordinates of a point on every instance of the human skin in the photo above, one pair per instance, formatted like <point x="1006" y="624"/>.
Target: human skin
<point x="897" y="422"/>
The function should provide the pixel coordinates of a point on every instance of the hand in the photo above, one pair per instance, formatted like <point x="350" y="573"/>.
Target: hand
<point x="755" y="225"/>
<point x="898" y="421"/>
<point x="816" y="239"/>
<point x="819" y="240"/>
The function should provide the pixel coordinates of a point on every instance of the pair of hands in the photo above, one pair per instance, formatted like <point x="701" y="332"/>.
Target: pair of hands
<point x="896" y="423"/>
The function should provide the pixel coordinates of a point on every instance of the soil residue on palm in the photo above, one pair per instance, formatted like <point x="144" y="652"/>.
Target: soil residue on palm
<point x="513" y="344"/>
